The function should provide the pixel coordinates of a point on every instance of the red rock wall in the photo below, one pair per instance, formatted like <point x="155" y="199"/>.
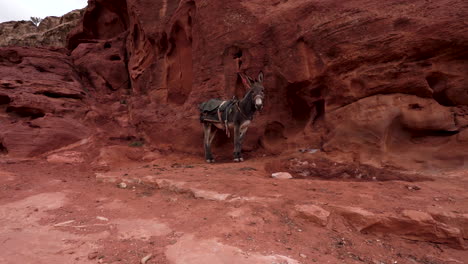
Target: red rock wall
<point x="51" y="32"/>
<point x="383" y="82"/>
<point x="328" y="66"/>
<point x="42" y="101"/>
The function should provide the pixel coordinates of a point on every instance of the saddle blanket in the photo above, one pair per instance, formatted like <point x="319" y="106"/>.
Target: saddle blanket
<point x="209" y="109"/>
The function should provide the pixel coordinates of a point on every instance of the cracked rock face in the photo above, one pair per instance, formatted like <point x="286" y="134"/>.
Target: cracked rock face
<point x="52" y="31"/>
<point x="346" y="75"/>
<point x="41" y="102"/>
<point x="382" y="88"/>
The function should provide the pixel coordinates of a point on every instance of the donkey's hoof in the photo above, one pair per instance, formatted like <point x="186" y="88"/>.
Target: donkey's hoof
<point x="210" y="160"/>
<point x="238" y="159"/>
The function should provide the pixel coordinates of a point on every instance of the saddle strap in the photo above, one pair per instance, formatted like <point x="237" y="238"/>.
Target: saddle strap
<point x="219" y="111"/>
<point x="226" y="126"/>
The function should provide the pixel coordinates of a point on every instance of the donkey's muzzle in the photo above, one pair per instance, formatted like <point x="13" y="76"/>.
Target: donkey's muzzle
<point x="258" y="103"/>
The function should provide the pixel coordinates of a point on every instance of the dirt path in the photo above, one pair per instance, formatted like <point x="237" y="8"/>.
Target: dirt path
<point x="179" y="210"/>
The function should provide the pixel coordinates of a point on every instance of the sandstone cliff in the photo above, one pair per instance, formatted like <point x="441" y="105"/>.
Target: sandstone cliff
<point x="52" y="31"/>
<point x="379" y="83"/>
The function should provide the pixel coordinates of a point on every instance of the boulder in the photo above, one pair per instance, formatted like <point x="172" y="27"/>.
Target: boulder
<point x="314" y="213"/>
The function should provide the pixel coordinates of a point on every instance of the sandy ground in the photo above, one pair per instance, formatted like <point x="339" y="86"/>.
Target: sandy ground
<point x="177" y="209"/>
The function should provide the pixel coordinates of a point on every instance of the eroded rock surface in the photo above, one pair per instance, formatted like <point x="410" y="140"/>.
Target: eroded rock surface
<point x="396" y="77"/>
<point x="52" y="31"/>
<point x="42" y="101"/>
<point x="381" y="88"/>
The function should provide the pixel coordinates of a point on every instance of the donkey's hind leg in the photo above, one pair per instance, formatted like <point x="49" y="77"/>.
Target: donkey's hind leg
<point x="237" y="145"/>
<point x="208" y="138"/>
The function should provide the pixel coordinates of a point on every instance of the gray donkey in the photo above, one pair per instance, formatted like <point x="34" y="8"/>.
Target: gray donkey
<point x="232" y="114"/>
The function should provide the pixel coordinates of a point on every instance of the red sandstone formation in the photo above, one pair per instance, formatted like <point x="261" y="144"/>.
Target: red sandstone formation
<point x="42" y="101"/>
<point x="373" y="94"/>
<point x="52" y="31"/>
<point x="384" y="84"/>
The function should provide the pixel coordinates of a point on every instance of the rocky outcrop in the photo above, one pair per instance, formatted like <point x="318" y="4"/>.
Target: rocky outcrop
<point x="52" y="31"/>
<point x="410" y="224"/>
<point x="381" y="88"/>
<point x="402" y="128"/>
<point x="104" y="65"/>
<point x="314" y="213"/>
<point x="343" y="75"/>
<point x="436" y="227"/>
<point x="42" y="101"/>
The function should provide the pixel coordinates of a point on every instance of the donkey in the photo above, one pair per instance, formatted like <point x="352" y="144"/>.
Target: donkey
<point x="232" y="114"/>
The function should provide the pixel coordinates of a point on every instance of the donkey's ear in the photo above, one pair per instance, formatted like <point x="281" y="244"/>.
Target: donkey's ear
<point x="246" y="80"/>
<point x="260" y="77"/>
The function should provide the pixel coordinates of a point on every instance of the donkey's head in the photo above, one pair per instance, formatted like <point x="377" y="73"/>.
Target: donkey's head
<point x="256" y="89"/>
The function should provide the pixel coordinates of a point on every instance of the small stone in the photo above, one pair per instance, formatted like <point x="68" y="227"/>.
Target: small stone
<point x="146" y="258"/>
<point x="92" y="255"/>
<point x="413" y="188"/>
<point x="102" y="218"/>
<point x="281" y="175"/>
<point x="122" y="185"/>
<point x="64" y="223"/>
<point x="303" y="255"/>
<point x="345" y="175"/>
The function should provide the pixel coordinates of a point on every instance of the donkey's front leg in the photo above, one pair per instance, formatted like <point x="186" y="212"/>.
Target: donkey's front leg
<point x="237" y="144"/>
<point x="208" y="138"/>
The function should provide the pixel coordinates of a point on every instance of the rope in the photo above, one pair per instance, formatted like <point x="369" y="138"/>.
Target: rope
<point x="226" y="126"/>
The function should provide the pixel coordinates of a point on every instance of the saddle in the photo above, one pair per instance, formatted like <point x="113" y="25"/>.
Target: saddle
<point x="216" y="111"/>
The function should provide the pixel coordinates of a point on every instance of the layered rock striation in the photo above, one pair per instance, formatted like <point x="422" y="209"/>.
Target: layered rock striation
<point x="377" y="83"/>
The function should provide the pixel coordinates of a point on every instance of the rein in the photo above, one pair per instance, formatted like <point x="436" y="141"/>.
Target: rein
<point x="240" y="111"/>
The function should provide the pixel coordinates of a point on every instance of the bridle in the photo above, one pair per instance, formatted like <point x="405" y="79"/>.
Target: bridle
<point x="260" y="95"/>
